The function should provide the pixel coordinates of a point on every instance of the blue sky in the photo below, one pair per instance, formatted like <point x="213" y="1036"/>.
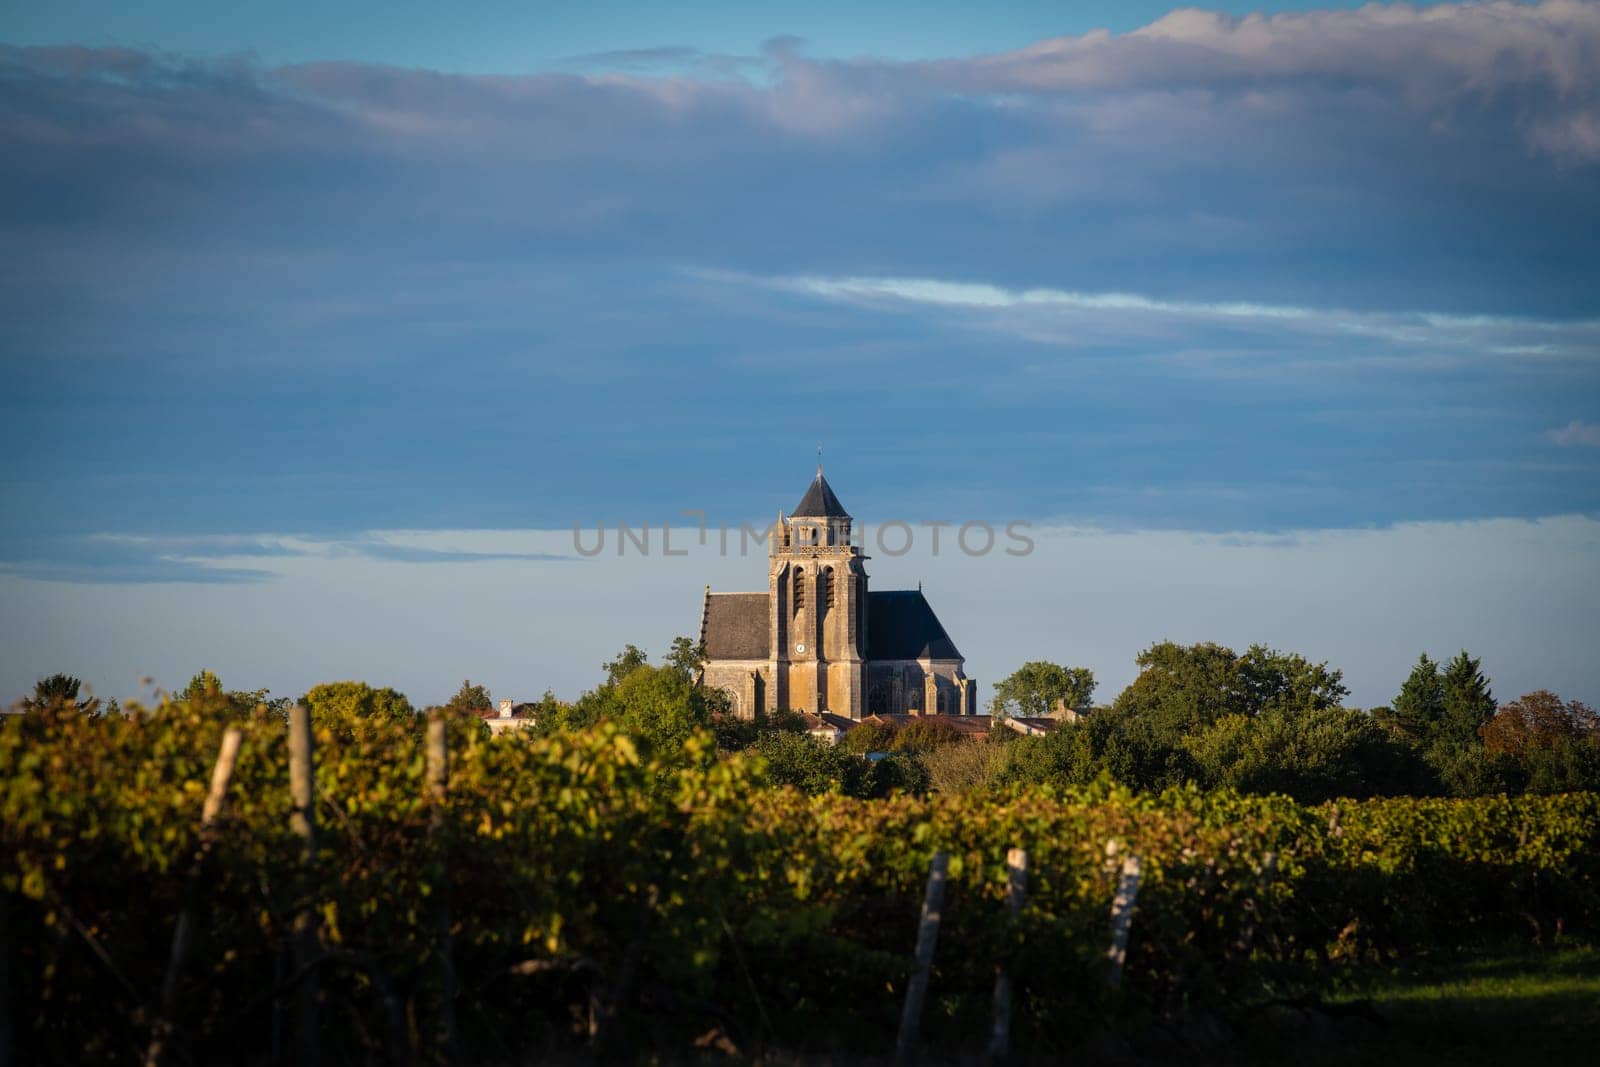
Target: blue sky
<point x="301" y="271"/>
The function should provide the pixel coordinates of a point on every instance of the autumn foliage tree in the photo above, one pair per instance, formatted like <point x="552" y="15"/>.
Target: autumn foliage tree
<point x="1539" y="720"/>
<point x="1555" y="743"/>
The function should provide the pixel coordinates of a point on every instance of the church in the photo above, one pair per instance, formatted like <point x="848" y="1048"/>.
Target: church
<point x="818" y="641"/>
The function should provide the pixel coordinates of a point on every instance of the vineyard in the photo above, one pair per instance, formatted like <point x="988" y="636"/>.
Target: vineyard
<point x="580" y="895"/>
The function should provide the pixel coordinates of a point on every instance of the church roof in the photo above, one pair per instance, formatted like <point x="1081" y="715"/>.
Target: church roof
<point x="737" y="626"/>
<point x="819" y="502"/>
<point x="901" y="625"/>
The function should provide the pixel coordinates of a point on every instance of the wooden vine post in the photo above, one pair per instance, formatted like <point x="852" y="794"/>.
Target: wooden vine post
<point x="183" y="932"/>
<point x="1016" y="890"/>
<point x="303" y="824"/>
<point x="927" y="940"/>
<point x="438" y="785"/>
<point x="1122" y="910"/>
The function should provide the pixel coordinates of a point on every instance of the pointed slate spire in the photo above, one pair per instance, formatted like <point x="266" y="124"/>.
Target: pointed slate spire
<point x="819" y="502"/>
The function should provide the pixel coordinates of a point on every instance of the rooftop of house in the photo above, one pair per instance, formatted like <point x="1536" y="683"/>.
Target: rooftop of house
<point x="827" y="720"/>
<point x="1034" y="724"/>
<point x="965" y="725"/>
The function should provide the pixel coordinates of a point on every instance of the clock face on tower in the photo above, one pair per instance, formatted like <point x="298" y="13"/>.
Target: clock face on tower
<point x="801" y="647"/>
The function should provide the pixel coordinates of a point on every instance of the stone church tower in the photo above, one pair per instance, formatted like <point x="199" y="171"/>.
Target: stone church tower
<point x="818" y="588"/>
<point x="818" y="641"/>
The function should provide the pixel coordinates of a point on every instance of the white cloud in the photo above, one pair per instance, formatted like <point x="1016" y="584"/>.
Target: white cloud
<point x="963" y="294"/>
<point x="1576" y="432"/>
<point x="1427" y="334"/>
<point x="1540" y="59"/>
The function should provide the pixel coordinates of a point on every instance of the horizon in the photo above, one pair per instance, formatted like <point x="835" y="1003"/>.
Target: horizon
<point x="1139" y="587"/>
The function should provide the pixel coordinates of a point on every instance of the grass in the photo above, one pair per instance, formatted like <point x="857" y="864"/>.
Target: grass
<point x="1523" y="1007"/>
<point x="1526" y="1007"/>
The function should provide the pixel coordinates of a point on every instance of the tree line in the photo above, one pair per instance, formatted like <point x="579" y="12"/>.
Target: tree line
<point x="1267" y="721"/>
<point x="1261" y="721"/>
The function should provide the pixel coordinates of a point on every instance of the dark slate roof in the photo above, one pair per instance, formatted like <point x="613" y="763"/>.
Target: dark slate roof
<point x="901" y="625"/>
<point x="819" y="502"/>
<point x="737" y="626"/>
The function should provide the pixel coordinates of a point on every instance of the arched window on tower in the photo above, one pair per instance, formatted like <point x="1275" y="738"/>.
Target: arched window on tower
<point x="799" y="590"/>
<point x="825" y="593"/>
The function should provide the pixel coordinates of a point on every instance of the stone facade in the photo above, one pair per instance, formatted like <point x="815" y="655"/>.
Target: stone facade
<point x="818" y="641"/>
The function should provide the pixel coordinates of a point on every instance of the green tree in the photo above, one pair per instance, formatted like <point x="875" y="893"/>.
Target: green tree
<point x="59" y="692"/>
<point x="470" y="700"/>
<point x="1151" y="736"/>
<point x="1312" y="755"/>
<point x="1035" y="688"/>
<point x="925" y="734"/>
<point x="1469" y="770"/>
<point x="972" y="767"/>
<point x="816" y="767"/>
<point x="662" y="706"/>
<point x="601" y="702"/>
<point x="1418" y="710"/>
<point x="1127" y="746"/>
<point x="811" y="766"/>
<point x="1270" y="680"/>
<point x="206" y="693"/>
<point x="201" y="685"/>
<point x="356" y="710"/>
<point x="630" y="659"/>
<point x="869" y="736"/>
<point x="1181" y="688"/>
<point x="1440" y="712"/>
<point x="552" y="715"/>
<point x="685" y="656"/>
<point x="1468" y="704"/>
